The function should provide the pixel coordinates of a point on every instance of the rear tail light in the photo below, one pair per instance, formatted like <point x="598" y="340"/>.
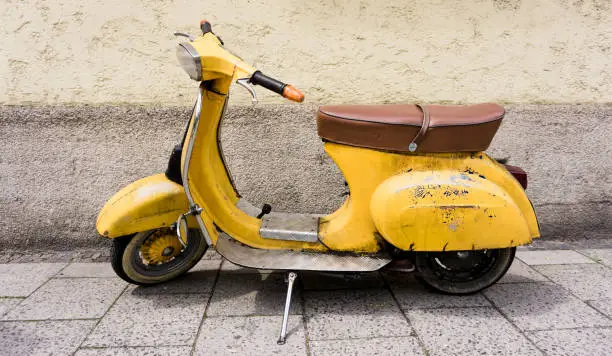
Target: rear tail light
<point x="519" y="174"/>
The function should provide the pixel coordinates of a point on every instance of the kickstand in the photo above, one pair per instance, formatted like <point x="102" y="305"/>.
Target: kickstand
<point x="283" y="334"/>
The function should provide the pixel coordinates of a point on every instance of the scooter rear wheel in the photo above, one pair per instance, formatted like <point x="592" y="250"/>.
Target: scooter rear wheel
<point x="463" y="272"/>
<point x="155" y="256"/>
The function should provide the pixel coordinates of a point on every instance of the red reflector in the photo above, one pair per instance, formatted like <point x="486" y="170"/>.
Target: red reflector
<point x="519" y="174"/>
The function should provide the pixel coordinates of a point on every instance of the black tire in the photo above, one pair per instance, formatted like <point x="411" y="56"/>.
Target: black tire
<point x="117" y="248"/>
<point x="445" y="272"/>
<point x="129" y="265"/>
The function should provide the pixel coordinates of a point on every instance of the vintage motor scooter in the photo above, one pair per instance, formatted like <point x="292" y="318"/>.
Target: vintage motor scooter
<point x="422" y="193"/>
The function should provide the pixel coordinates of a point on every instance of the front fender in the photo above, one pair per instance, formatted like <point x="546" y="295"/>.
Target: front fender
<point x="146" y="204"/>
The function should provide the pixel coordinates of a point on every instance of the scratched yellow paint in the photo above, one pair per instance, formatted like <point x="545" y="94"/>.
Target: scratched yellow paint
<point x="435" y="201"/>
<point x="146" y="204"/>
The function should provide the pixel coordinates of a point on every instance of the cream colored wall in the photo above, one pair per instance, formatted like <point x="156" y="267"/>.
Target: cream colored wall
<point x="334" y="50"/>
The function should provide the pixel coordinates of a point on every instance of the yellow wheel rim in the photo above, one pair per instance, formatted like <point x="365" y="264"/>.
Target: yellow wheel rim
<point x="160" y="247"/>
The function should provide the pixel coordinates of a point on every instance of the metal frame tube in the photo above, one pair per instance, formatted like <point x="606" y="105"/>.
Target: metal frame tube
<point x="192" y="137"/>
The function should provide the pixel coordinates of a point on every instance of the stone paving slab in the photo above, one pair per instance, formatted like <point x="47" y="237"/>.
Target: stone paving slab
<point x="79" y="269"/>
<point x="412" y="295"/>
<point x="43" y="337"/>
<point x="251" y="294"/>
<point x="21" y="279"/>
<point x="136" y="351"/>
<point x="349" y="314"/>
<point x="556" y="307"/>
<point x="604" y="306"/>
<point x="335" y="281"/>
<point x="6" y="304"/>
<point x="389" y="346"/>
<point x="469" y="331"/>
<point x="69" y="298"/>
<point x="603" y="256"/>
<point x="537" y="306"/>
<point x="255" y="335"/>
<point x="150" y="320"/>
<point x="199" y="280"/>
<point x="576" y="342"/>
<point x="520" y="272"/>
<point x="552" y="257"/>
<point x="586" y="281"/>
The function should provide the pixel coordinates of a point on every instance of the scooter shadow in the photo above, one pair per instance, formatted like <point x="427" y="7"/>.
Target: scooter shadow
<point x="519" y="298"/>
<point x="248" y="292"/>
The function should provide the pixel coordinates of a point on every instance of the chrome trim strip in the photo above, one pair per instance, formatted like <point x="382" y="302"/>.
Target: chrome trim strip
<point x="192" y="137"/>
<point x="246" y="256"/>
<point x="290" y="226"/>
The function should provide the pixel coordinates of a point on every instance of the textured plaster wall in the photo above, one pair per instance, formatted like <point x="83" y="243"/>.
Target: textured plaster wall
<point x="336" y="51"/>
<point x="59" y="164"/>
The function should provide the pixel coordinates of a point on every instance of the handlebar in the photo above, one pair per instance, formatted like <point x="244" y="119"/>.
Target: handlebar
<point x="286" y="90"/>
<point x="258" y="78"/>
<point x="205" y="27"/>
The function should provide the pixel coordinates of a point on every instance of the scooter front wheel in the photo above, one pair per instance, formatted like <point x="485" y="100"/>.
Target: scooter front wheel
<point x="463" y="272"/>
<point x="155" y="256"/>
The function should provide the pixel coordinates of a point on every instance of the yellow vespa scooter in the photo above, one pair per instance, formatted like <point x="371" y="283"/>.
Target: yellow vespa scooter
<point x="422" y="191"/>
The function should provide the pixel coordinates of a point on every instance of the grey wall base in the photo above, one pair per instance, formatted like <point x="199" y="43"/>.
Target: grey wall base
<point x="59" y="164"/>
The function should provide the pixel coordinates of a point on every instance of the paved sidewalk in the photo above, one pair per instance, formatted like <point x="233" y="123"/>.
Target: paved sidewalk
<point x="552" y="302"/>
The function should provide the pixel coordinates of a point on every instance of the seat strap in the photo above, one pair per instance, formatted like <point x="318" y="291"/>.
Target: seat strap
<point x="414" y="145"/>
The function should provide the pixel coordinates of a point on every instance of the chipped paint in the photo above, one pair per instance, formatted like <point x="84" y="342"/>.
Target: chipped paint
<point x="455" y="224"/>
<point x="146" y="204"/>
<point x="459" y="210"/>
<point x="150" y="191"/>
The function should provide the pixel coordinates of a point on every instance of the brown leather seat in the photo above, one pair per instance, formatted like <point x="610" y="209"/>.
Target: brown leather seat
<point x="452" y="128"/>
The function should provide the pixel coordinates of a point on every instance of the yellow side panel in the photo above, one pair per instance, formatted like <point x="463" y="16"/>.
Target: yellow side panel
<point x="148" y="203"/>
<point x="447" y="210"/>
<point x="353" y="227"/>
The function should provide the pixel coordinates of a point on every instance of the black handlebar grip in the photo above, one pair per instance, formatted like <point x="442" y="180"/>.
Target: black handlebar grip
<point x="205" y="26"/>
<point x="258" y="78"/>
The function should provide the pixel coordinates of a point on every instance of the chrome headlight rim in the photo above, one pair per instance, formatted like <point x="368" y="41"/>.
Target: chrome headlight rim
<point x="197" y="62"/>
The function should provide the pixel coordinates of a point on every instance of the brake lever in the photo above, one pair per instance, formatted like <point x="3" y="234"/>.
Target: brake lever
<point x="181" y="34"/>
<point x="244" y="82"/>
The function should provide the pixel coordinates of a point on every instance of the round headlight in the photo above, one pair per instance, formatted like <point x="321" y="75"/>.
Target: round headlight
<point x="189" y="59"/>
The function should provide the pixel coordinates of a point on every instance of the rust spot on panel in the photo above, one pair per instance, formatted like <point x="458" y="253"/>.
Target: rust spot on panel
<point x="378" y="237"/>
<point x="456" y="192"/>
<point x="421" y="192"/>
<point x="454" y="225"/>
<point x="481" y="176"/>
<point x="409" y="170"/>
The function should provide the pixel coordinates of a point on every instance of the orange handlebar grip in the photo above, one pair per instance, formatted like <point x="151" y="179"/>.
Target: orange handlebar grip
<point x="292" y="93"/>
